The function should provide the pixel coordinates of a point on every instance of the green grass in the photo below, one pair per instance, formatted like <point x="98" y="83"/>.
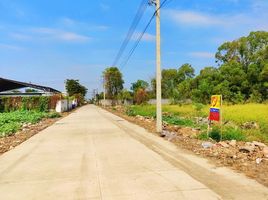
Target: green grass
<point x="11" y="122"/>
<point x="174" y="120"/>
<point x="238" y="114"/>
<point x="146" y="110"/>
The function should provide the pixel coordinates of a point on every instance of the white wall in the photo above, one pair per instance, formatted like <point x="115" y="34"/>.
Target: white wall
<point x="63" y="106"/>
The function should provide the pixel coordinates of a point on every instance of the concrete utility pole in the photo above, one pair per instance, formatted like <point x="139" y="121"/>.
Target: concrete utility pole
<point x="104" y="91"/>
<point x="158" y="71"/>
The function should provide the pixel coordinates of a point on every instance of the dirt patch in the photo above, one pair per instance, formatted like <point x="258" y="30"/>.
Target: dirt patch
<point x="248" y="158"/>
<point x="10" y="142"/>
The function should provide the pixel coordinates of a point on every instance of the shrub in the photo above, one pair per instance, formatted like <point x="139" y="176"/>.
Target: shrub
<point x="43" y="104"/>
<point x="215" y="134"/>
<point x="233" y="134"/>
<point x="11" y="122"/>
<point x="140" y="96"/>
<point x="130" y="112"/>
<point x="38" y="103"/>
<point x="53" y="115"/>
<point x="178" y="121"/>
<point x="203" y="136"/>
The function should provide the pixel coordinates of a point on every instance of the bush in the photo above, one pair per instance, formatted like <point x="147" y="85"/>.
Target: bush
<point x="178" y="121"/>
<point x="53" y="115"/>
<point x="130" y="112"/>
<point x="43" y="104"/>
<point x="228" y="133"/>
<point x="11" y="122"/>
<point x="215" y="134"/>
<point x="233" y="134"/>
<point x="203" y="136"/>
<point x="38" y="103"/>
<point x="140" y="96"/>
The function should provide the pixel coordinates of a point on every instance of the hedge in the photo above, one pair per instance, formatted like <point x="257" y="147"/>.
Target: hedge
<point x="39" y="103"/>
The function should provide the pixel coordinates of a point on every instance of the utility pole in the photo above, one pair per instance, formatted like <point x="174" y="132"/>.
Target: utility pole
<point x="104" y="91"/>
<point x="158" y="70"/>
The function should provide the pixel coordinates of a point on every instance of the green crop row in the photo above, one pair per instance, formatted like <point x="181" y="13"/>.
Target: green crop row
<point x="11" y="122"/>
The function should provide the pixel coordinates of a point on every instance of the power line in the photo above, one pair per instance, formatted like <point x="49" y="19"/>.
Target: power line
<point x="123" y="64"/>
<point x="135" y="22"/>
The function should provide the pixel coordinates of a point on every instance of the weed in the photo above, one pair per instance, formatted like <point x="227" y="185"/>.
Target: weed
<point x="203" y="136"/>
<point x="174" y="120"/>
<point x="233" y="134"/>
<point x="215" y="134"/>
<point x="11" y="122"/>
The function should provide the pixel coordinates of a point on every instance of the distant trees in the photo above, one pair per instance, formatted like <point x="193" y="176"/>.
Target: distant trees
<point x="140" y="91"/>
<point x="176" y="82"/>
<point x="125" y="95"/>
<point x="113" y="82"/>
<point x="73" y="87"/>
<point x="139" y="84"/>
<point x="241" y="76"/>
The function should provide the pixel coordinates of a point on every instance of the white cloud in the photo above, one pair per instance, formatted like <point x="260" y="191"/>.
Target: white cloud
<point x="202" y="54"/>
<point x="193" y="18"/>
<point x="21" y="37"/>
<point x="104" y="7"/>
<point x="67" y="21"/>
<point x="50" y="33"/>
<point x="146" y="37"/>
<point x="101" y="27"/>
<point x="68" y="36"/>
<point x="10" y="47"/>
<point x="199" y="19"/>
<point x="79" y="25"/>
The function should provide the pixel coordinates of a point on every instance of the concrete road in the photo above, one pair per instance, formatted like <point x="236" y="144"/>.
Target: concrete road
<point x="92" y="154"/>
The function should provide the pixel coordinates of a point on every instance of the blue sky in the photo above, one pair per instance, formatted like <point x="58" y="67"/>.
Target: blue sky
<point x="46" y="42"/>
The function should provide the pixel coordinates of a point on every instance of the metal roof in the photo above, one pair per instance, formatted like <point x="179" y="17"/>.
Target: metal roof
<point x="7" y="85"/>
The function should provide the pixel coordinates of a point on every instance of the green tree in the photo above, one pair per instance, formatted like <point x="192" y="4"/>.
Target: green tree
<point x="140" y="96"/>
<point x="245" y="58"/>
<point x="204" y="83"/>
<point x="139" y="84"/>
<point x="186" y="71"/>
<point x="73" y="87"/>
<point x="113" y="82"/>
<point x="125" y="95"/>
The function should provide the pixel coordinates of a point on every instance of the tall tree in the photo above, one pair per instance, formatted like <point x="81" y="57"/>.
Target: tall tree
<point x="113" y="82"/>
<point x="139" y="84"/>
<point x="245" y="58"/>
<point x="186" y="71"/>
<point x="73" y="87"/>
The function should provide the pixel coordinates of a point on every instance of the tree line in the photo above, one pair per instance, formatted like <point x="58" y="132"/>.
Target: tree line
<point x="241" y="76"/>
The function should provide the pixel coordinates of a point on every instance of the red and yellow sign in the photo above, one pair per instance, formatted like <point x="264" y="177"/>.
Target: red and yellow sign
<point x="215" y="113"/>
<point x="216" y="101"/>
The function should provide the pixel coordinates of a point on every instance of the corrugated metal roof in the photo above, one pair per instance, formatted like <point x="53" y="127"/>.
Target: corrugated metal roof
<point x="7" y="85"/>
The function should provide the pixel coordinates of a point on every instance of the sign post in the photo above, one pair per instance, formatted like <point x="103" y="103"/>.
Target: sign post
<point x="215" y="113"/>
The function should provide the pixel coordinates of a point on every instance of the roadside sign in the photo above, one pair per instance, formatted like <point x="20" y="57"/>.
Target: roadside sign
<point x="215" y="108"/>
<point x="214" y="114"/>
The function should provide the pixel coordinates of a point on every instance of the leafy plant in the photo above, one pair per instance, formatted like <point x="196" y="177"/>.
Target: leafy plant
<point x="233" y="134"/>
<point x="11" y="122"/>
<point x="174" y="120"/>
<point x="203" y="136"/>
<point x="215" y="134"/>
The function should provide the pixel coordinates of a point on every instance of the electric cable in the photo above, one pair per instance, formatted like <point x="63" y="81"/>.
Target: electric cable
<point x="134" y="24"/>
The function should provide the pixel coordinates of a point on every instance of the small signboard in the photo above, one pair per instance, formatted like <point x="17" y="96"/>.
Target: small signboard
<point x="215" y="108"/>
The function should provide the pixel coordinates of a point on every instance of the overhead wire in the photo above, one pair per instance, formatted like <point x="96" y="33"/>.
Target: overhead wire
<point x="134" y="24"/>
<point x="124" y="63"/>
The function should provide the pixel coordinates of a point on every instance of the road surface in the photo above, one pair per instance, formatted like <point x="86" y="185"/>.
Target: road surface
<point x="93" y="154"/>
